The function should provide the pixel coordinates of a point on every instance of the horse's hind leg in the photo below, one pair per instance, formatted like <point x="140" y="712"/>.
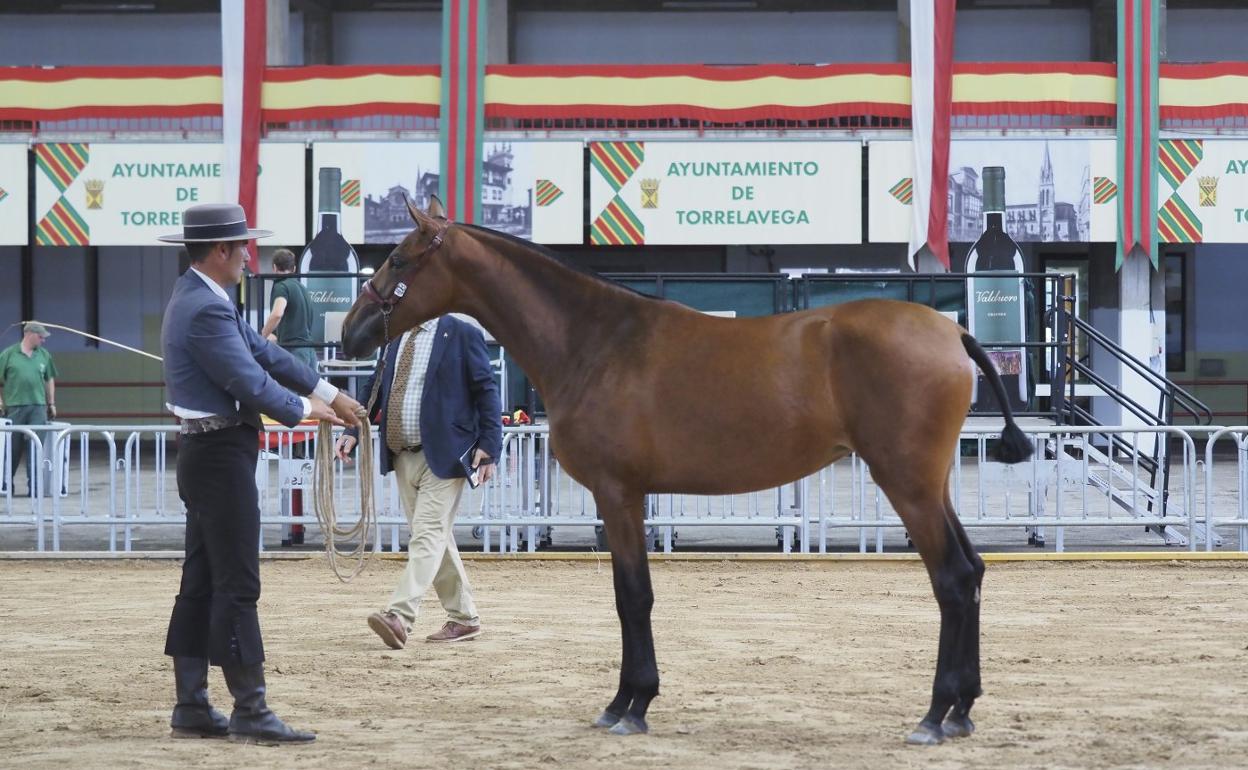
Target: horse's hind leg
<point x="954" y="581"/>
<point x="958" y="724"/>
<point x="621" y="513"/>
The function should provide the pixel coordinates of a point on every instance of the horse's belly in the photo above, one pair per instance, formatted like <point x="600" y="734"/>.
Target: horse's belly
<point x="745" y="463"/>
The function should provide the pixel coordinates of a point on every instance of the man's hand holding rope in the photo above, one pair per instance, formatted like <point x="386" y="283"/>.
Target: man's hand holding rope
<point x="343" y="412"/>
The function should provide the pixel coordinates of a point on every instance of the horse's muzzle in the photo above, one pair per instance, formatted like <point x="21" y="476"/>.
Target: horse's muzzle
<point x="362" y="332"/>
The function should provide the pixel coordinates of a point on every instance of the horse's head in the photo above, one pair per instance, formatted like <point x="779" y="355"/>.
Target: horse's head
<point x="413" y="285"/>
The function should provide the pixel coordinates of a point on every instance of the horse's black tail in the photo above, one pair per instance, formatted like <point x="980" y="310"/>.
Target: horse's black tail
<point x="1014" y="446"/>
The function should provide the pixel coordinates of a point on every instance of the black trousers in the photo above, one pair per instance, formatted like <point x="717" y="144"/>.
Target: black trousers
<point x="214" y="616"/>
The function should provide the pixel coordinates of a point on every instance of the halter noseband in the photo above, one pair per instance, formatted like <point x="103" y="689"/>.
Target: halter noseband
<point x="387" y="302"/>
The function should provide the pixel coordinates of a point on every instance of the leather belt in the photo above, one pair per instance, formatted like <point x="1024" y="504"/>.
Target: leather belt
<point x="195" y="425"/>
<point x="412" y="448"/>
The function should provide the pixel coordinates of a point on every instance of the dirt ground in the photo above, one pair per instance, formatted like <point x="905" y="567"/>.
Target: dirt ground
<point x="764" y="665"/>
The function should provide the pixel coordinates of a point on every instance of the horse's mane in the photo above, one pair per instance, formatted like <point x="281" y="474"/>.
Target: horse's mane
<point x="559" y="259"/>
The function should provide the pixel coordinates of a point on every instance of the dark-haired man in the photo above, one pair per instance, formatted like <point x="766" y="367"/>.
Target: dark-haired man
<point x="290" y="320"/>
<point x="220" y="375"/>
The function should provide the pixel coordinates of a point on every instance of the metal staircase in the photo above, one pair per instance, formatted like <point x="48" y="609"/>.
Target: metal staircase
<point x="1134" y="474"/>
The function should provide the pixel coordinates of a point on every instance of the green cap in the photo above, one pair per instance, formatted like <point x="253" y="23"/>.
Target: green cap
<point x="37" y="328"/>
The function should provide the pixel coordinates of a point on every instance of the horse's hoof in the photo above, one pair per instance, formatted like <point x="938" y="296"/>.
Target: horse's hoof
<point x="958" y="727"/>
<point x="924" y="735"/>
<point x="606" y="719"/>
<point x="629" y="725"/>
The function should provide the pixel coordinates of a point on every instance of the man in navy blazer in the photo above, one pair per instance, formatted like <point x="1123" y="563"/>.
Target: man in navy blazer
<point x="221" y="375"/>
<point x="439" y="411"/>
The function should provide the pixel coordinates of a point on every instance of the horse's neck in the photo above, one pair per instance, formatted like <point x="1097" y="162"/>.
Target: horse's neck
<point x="544" y="314"/>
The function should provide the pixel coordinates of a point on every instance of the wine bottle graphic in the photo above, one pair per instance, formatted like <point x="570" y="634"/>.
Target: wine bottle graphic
<point x="996" y="311"/>
<point x="329" y="252"/>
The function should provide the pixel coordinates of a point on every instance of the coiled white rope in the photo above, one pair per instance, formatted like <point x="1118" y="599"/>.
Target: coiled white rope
<point x="326" y="507"/>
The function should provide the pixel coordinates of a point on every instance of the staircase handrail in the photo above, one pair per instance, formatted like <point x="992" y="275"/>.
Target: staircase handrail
<point x="1192" y="405"/>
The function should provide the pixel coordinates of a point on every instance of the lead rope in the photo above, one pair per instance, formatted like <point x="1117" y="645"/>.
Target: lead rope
<point x="323" y="483"/>
<point x="322" y="478"/>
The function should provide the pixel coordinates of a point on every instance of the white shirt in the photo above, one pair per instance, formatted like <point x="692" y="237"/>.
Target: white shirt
<point x="323" y="389"/>
<point x="409" y="410"/>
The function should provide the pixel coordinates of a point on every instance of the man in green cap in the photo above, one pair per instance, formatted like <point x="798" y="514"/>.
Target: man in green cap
<point x="27" y="389"/>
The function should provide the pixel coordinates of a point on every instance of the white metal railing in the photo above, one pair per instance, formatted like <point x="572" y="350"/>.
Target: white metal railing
<point x="120" y="478"/>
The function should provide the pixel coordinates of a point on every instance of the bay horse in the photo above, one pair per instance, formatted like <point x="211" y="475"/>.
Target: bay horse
<point x="716" y="406"/>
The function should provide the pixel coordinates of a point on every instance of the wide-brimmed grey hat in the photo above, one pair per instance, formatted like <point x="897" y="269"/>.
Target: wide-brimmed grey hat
<point x="210" y="222"/>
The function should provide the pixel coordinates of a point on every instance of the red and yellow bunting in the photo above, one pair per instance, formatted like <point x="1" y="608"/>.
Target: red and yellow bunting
<point x="617" y="225"/>
<point x="63" y="226"/>
<point x="1177" y="158"/>
<point x="617" y="161"/>
<point x="3" y="193"/>
<point x="350" y="192"/>
<point x="547" y="192"/>
<point x="62" y="162"/>
<point x="1103" y="189"/>
<point x="73" y="93"/>
<point x="1204" y="91"/>
<point x="903" y="190"/>
<point x="784" y="92"/>
<point x="325" y="92"/>
<point x="1177" y="223"/>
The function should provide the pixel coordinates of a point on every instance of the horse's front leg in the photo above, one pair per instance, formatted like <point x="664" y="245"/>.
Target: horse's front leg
<point x="621" y="513"/>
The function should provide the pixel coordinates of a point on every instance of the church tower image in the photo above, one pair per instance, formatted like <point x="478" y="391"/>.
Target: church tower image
<point x="1046" y="205"/>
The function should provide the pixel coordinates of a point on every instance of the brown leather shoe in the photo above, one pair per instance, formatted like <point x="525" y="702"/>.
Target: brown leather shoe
<point x="390" y="628"/>
<point x="454" y="632"/>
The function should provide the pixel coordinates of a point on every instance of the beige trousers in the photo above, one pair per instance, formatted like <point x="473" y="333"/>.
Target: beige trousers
<point x="432" y="558"/>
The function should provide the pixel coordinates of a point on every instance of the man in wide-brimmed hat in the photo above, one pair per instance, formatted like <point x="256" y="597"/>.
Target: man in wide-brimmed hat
<point x="221" y="375"/>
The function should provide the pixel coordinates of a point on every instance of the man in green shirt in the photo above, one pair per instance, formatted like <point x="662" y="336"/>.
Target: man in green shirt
<point x="27" y="387"/>
<point x="290" y="321"/>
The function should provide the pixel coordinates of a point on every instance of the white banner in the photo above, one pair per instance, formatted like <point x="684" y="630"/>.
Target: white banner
<point x="128" y="194"/>
<point x="532" y="190"/>
<point x="725" y="192"/>
<point x="374" y="178"/>
<point x="535" y="190"/>
<point x="1202" y="191"/>
<point x="1055" y="190"/>
<point x="14" y="201"/>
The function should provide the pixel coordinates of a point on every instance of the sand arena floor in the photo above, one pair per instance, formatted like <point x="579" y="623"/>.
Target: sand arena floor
<point x="765" y="665"/>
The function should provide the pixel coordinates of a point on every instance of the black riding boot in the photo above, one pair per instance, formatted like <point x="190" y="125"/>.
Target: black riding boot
<point x="193" y="716"/>
<point x="252" y="721"/>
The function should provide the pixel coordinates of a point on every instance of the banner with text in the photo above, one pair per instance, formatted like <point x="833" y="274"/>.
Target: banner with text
<point x="1055" y="190"/>
<point x="128" y="194"/>
<point x="725" y="192"/>
<point x="533" y="190"/>
<point x="1202" y="191"/>
<point x="13" y="198"/>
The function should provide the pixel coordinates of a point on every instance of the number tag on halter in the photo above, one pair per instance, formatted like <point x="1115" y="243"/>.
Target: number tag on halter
<point x="400" y="290"/>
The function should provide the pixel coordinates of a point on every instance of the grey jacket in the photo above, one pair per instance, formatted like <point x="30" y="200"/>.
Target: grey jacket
<point x="213" y="360"/>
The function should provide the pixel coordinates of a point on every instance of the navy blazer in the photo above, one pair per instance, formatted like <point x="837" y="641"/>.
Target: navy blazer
<point x="216" y="363"/>
<point x="459" y="406"/>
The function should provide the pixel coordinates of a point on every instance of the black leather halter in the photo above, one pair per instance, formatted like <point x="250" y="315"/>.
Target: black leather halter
<point x="395" y="294"/>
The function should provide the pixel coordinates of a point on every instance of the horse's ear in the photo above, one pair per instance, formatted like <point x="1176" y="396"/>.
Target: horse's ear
<point x="415" y="213"/>
<point x="436" y="208"/>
